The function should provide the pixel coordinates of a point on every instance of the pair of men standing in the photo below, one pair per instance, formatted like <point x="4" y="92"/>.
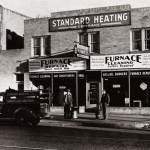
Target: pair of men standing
<point x="68" y="104"/>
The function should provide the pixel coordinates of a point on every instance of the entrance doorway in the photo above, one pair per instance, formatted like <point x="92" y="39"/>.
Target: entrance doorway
<point x="59" y="86"/>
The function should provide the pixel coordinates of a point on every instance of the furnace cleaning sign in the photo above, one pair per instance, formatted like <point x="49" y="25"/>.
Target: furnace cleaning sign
<point x="90" y="21"/>
<point x="120" y="61"/>
<point x="57" y="64"/>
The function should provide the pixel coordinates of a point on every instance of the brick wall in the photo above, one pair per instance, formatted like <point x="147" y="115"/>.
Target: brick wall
<point x="112" y="40"/>
<point x="35" y="27"/>
<point x="140" y="17"/>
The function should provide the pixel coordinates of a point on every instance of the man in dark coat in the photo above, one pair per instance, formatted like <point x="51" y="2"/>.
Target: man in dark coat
<point x="68" y="104"/>
<point x="105" y="100"/>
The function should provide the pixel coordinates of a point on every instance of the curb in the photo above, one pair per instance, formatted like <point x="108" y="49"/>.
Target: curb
<point x="100" y="123"/>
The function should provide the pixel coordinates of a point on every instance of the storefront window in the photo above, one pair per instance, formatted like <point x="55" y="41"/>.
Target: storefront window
<point x="139" y="87"/>
<point x="116" y="85"/>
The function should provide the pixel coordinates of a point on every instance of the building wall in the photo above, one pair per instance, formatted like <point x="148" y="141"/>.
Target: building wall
<point x="34" y="27"/>
<point x="140" y="17"/>
<point x="13" y="21"/>
<point x="112" y="40"/>
<point x="8" y="67"/>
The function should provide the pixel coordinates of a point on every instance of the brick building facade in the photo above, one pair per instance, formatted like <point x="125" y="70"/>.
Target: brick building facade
<point x="118" y="39"/>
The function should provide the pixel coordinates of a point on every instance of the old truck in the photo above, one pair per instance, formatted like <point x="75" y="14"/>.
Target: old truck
<point x="23" y="107"/>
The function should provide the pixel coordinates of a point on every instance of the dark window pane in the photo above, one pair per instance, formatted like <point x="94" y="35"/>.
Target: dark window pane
<point x="20" y="77"/>
<point x="95" y="42"/>
<point x="20" y="87"/>
<point x="47" y="45"/>
<point x="136" y="41"/>
<point x="37" y="42"/>
<point x="137" y="34"/>
<point x="83" y="39"/>
<point x="37" y="51"/>
<point x="147" y="34"/>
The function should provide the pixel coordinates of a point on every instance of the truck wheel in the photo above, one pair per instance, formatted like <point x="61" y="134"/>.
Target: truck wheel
<point x="34" y="122"/>
<point x="21" y="119"/>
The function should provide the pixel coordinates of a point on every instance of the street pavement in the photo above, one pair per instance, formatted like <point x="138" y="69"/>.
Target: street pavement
<point x="89" y="120"/>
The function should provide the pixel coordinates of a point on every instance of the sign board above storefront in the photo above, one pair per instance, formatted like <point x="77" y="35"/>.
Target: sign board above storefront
<point x="90" y="21"/>
<point x="64" y="75"/>
<point x="39" y="76"/>
<point x="56" y="64"/>
<point x="114" y="74"/>
<point x="132" y="61"/>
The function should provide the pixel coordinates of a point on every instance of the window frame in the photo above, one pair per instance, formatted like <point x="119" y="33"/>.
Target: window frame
<point x="146" y="39"/>
<point x="143" y="39"/>
<point x="89" y="40"/>
<point x="36" y="46"/>
<point x="42" y="46"/>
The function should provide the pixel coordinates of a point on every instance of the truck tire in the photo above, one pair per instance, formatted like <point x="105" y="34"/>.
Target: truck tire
<point x="21" y="119"/>
<point x="34" y="122"/>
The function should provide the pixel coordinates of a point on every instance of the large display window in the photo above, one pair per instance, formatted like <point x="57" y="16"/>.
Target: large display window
<point x="140" y="88"/>
<point x="128" y="88"/>
<point x="116" y="85"/>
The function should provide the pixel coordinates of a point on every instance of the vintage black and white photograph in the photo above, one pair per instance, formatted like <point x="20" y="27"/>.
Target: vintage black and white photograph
<point x="74" y="75"/>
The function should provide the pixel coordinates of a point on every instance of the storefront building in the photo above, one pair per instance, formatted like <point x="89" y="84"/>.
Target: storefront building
<point x="59" y="74"/>
<point x="91" y="49"/>
<point x="125" y="77"/>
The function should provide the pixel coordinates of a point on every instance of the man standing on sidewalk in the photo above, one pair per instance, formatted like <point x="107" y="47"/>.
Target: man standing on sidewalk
<point x="68" y="104"/>
<point x="105" y="100"/>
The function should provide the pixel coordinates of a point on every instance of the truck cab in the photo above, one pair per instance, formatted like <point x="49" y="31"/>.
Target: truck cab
<point x="21" y="106"/>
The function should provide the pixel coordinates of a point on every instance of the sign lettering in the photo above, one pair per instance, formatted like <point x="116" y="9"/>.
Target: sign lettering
<point x="90" y="21"/>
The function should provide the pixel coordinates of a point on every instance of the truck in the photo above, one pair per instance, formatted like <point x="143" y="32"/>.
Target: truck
<point x="23" y="107"/>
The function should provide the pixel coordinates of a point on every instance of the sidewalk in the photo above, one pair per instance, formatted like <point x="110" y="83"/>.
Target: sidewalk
<point x="89" y="120"/>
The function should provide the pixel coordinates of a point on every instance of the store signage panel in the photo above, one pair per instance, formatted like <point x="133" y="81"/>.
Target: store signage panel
<point x="120" y="61"/>
<point x="39" y="76"/>
<point x="64" y="75"/>
<point x="57" y="64"/>
<point x="114" y="74"/>
<point x="140" y="73"/>
<point x="90" y="21"/>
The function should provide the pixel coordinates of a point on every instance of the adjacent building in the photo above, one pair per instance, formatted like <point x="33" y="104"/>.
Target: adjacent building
<point x="11" y="47"/>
